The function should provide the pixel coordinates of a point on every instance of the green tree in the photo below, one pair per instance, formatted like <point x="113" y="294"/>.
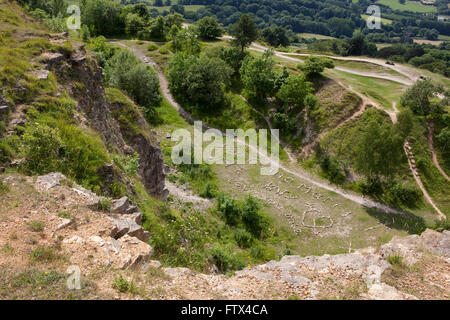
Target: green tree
<point x="185" y="40"/>
<point x="174" y="19"/>
<point x="244" y="31"/>
<point x="314" y="66"/>
<point x="103" y="17"/>
<point x="199" y="80"/>
<point x="233" y="57"/>
<point x="133" y="23"/>
<point x="378" y="150"/>
<point x="41" y="147"/>
<point x="443" y="140"/>
<point x="420" y="98"/>
<point x="295" y="90"/>
<point x="157" y="29"/>
<point x="209" y="29"/>
<point x="142" y="85"/>
<point x="124" y="71"/>
<point x="258" y="75"/>
<point x="58" y="8"/>
<point x="405" y="122"/>
<point x="275" y="36"/>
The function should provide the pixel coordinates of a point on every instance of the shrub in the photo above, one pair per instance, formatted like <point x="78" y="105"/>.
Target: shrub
<point x="129" y="164"/>
<point x="441" y="225"/>
<point x="229" y="209"/>
<point x="243" y="238"/>
<point x="255" y="222"/>
<point x="41" y="146"/>
<point x="124" y="71"/>
<point x="261" y="252"/>
<point x="225" y="260"/>
<point x="120" y="284"/>
<point x="399" y="194"/>
<point x="64" y="214"/>
<point x="43" y="254"/>
<point x="395" y="260"/>
<point x="208" y="191"/>
<point x="332" y="169"/>
<point x="3" y="188"/>
<point x="163" y="50"/>
<point x="36" y="226"/>
<point x="104" y="204"/>
<point x="152" y="47"/>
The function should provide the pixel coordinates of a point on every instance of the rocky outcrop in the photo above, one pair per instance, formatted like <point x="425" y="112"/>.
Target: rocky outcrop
<point x="95" y="112"/>
<point x="114" y="239"/>
<point x="357" y="275"/>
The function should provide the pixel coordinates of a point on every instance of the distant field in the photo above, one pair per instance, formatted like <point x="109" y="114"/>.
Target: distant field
<point x="408" y="6"/>
<point x="445" y="38"/>
<point x="424" y="41"/>
<point x="383" y="21"/>
<point x="313" y="35"/>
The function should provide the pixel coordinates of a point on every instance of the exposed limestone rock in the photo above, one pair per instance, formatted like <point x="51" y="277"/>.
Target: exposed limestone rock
<point x="120" y="206"/>
<point x="123" y="226"/>
<point x="383" y="291"/>
<point x="93" y="104"/>
<point x="407" y="247"/>
<point x="41" y="74"/>
<point x="177" y="272"/>
<point x="53" y="179"/>
<point x="64" y="223"/>
<point x="4" y="110"/>
<point x="51" y="59"/>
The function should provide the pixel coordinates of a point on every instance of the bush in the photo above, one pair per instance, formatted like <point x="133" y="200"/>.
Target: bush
<point x="208" y="191"/>
<point x="332" y="169"/>
<point x="120" y="284"/>
<point x="395" y="260"/>
<point x="441" y="225"/>
<point x="255" y="222"/>
<point x="41" y="147"/>
<point x="260" y="252"/>
<point x="129" y="164"/>
<point x="36" y="226"/>
<point x="163" y="50"/>
<point x="43" y="254"/>
<point x="124" y="71"/>
<point x="243" y="238"/>
<point x="225" y="260"/>
<point x="229" y="208"/>
<point x="104" y="204"/>
<point x="152" y="47"/>
<point x="398" y="194"/>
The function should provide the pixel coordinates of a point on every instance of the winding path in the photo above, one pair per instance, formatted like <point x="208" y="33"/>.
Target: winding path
<point x="365" y="101"/>
<point x="297" y="172"/>
<point x="411" y="78"/>
<point x="433" y="150"/>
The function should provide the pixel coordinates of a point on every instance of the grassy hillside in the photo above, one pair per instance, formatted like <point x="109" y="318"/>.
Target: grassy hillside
<point x="413" y="6"/>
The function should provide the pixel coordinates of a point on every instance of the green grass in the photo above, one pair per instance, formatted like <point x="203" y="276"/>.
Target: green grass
<point x="314" y="35"/>
<point x="367" y="67"/>
<point x="40" y="284"/>
<point x="444" y="37"/>
<point x="382" y="91"/>
<point x="412" y="6"/>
